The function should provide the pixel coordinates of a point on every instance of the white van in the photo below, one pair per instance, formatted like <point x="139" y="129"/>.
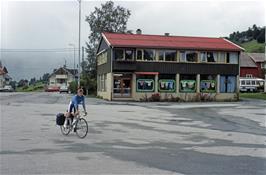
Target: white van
<point x="251" y="84"/>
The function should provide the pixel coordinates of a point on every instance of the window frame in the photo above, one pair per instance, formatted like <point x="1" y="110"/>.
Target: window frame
<point x="132" y="56"/>
<point x="153" y="51"/>
<point x="145" y="79"/>
<point x="209" y="81"/>
<point x="175" y="57"/>
<point x="197" y="56"/>
<point x="137" y="50"/>
<point x="123" y="54"/>
<point x="220" y="56"/>
<point x="161" y="90"/>
<point x="213" y="53"/>
<point x="226" y="84"/>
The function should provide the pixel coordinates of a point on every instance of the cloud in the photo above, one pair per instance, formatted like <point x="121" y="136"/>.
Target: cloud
<point x="54" y="24"/>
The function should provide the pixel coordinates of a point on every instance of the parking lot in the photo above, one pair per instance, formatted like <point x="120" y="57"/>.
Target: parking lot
<point x="133" y="138"/>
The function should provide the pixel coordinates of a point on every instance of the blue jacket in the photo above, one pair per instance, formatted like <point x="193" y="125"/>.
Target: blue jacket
<point x="78" y="100"/>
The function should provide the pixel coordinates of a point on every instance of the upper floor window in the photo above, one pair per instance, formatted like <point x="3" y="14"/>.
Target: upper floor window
<point x="191" y="56"/>
<point x="119" y="54"/>
<point x="212" y="57"/>
<point x="149" y="54"/>
<point x="102" y="58"/>
<point x="139" y="54"/>
<point x="123" y="54"/>
<point x="232" y="57"/>
<point x="188" y="56"/>
<point x="203" y="57"/>
<point x="170" y="55"/>
<point x="161" y="55"/>
<point x="222" y="57"/>
<point x="129" y="54"/>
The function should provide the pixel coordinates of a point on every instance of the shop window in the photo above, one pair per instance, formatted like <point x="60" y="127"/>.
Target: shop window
<point x="145" y="83"/>
<point x="149" y="54"/>
<point x="228" y="84"/>
<point x="208" y="83"/>
<point x="187" y="83"/>
<point x="119" y="54"/>
<point x="170" y="55"/>
<point x="167" y="83"/>
<point x="222" y="57"/>
<point x="139" y="54"/>
<point x="129" y="54"/>
<point x="212" y="57"/>
<point x="203" y="57"/>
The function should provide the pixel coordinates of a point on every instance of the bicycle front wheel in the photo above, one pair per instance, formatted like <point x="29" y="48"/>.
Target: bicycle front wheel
<point x="82" y="128"/>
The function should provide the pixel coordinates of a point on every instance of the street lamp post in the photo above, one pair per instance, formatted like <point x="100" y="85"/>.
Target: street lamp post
<point x="79" y="43"/>
<point x="74" y="54"/>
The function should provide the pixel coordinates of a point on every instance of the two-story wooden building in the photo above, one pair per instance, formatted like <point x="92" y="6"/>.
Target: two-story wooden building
<point x="138" y="66"/>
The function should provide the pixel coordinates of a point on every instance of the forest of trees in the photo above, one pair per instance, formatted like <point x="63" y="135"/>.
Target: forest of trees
<point x="253" y="33"/>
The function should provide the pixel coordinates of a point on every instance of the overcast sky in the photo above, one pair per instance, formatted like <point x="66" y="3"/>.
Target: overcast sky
<point x="54" y="24"/>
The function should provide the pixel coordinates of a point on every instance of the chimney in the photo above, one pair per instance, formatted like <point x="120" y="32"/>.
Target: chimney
<point x="166" y="34"/>
<point x="138" y="31"/>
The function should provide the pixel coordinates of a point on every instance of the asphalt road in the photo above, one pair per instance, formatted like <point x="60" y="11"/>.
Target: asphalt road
<point x="133" y="138"/>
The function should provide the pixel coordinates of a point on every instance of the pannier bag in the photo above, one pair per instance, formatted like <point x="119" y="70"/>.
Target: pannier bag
<point x="60" y="119"/>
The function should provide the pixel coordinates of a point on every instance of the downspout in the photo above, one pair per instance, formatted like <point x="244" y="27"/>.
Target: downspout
<point x="112" y="76"/>
<point x="238" y="77"/>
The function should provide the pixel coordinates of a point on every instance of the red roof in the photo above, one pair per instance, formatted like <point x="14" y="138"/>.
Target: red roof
<point x="174" y="42"/>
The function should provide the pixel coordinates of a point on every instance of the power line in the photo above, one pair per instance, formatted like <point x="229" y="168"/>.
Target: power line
<point x="40" y="50"/>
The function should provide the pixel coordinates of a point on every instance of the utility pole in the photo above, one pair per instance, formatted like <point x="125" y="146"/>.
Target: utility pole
<point x="70" y="44"/>
<point x="79" y="43"/>
<point x="82" y="59"/>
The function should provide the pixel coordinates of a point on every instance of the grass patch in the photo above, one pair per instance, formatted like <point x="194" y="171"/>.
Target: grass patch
<point x="38" y="87"/>
<point x="254" y="46"/>
<point x="261" y="95"/>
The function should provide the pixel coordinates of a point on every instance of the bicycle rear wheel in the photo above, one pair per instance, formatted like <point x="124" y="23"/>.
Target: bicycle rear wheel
<point x="81" y="128"/>
<point x="65" y="131"/>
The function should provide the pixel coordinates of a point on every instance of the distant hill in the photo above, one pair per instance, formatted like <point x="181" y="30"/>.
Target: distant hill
<point x="253" y="46"/>
<point x="253" y="39"/>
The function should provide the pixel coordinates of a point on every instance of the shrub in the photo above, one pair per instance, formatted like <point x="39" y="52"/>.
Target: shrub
<point x="155" y="97"/>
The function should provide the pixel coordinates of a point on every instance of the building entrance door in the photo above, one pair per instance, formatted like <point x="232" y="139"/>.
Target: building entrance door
<point x="122" y="87"/>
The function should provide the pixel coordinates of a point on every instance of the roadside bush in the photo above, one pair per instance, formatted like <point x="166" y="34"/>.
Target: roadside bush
<point x="73" y="86"/>
<point x="155" y="97"/>
<point x="25" y="87"/>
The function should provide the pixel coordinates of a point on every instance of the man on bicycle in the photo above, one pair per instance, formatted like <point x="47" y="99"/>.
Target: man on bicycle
<point x="73" y="106"/>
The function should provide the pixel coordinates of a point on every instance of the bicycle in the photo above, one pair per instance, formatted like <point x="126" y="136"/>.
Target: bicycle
<point x="80" y="126"/>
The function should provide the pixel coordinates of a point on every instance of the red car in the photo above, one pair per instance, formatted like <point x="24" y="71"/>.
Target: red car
<point x="52" y="89"/>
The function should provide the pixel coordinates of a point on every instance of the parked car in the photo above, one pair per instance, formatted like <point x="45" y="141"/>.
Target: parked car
<point x="7" y="88"/>
<point x="52" y="89"/>
<point x="251" y="84"/>
<point x="63" y="88"/>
